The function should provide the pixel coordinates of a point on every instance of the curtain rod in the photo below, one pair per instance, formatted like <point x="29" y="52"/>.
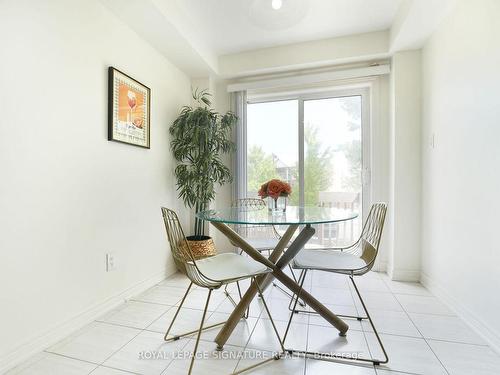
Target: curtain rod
<point x="375" y="70"/>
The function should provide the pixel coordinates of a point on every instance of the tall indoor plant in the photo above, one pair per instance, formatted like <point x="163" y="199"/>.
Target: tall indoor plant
<point x="200" y="137"/>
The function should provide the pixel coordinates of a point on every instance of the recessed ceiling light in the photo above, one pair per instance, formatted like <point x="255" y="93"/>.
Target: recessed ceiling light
<point x="276" y="14"/>
<point x="276" y="4"/>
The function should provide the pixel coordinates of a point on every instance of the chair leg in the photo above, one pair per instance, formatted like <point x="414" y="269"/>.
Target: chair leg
<point x="247" y="313"/>
<point x="237" y="283"/>
<point x="333" y="356"/>
<point x="296" y="311"/>
<point x="177" y="313"/>
<point x="231" y="299"/>
<point x="199" y="332"/>
<point x="177" y="337"/>
<point x="276" y="357"/>
<point x="225" y="290"/>
<point x="269" y="313"/>
<point x="302" y="277"/>
<point x="293" y="295"/>
<point x="301" y="302"/>
<point x="293" y="273"/>
<point x="386" y="358"/>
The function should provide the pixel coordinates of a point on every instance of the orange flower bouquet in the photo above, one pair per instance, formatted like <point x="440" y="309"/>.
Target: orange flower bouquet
<point x="274" y="189"/>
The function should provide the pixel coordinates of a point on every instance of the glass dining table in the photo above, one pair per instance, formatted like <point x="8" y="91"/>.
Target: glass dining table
<point x="284" y="252"/>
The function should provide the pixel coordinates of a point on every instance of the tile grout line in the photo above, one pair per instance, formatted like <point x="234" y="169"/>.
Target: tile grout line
<point x="101" y="363"/>
<point x="261" y="318"/>
<point x="116" y="351"/>
<point x="141" y="330"/>
<point x="249" y="337"/>
<point x="89" y="362"/>
<point x="396" y="372"/>
<point x="151" y="303"/>
<point x="145" y="330"/>
<point x="428" y="345"/>
<point x="114" y="368"/>
<point x="128" y="342"/>
<point x="70" y="357"/>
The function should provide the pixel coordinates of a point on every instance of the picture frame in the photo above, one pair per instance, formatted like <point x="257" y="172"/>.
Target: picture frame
<point x="129" y="110"/>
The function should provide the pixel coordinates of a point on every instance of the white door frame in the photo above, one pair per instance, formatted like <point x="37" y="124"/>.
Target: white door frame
<point x="364" y="92"/>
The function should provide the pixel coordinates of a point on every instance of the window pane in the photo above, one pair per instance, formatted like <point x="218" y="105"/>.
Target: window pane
<point x="272" y="145"/>
<point x="332" y="163"/>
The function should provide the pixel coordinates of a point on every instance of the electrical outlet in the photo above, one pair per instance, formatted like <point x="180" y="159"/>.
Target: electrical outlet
<point x="110" y="262"/>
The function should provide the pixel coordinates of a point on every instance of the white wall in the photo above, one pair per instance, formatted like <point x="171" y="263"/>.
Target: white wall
<point x="380" y="158"/>
<point x="461" y="179"/>
<point x="405" y="176"/>
<point x="67" y="195"/>
<point x="312" y="54"/>
<point x="224" y="195"/>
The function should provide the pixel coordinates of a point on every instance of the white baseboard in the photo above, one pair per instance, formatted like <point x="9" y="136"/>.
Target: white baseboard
<point x="380" y="266"/>
<point x="52" y="336"/>
<point x="401" y="274"/>
<point x="481" y="328"/>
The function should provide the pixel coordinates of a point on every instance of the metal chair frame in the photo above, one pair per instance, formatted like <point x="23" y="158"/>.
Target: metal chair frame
<point x="366" y="247"/>
<point x="183" y="255"/>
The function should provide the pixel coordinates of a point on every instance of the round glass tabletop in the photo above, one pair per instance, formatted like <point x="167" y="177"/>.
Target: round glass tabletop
<point x="263" y="216"/>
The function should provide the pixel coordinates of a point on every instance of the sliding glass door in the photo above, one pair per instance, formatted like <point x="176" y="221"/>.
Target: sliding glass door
<point x="320" y="145"/>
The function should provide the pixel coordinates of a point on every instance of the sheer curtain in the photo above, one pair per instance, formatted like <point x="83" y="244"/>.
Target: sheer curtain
<point x="239" y="107"/>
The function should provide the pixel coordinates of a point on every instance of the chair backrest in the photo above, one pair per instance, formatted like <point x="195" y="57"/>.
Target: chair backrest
<point x="250" y="203"/>
<point x="183" y="256"/>
<point x="253" y="230"/>
<point x="372" y="233"/>
<point x="178" y="242"/>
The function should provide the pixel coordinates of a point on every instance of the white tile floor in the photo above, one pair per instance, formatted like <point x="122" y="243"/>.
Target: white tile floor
<point x="421" y="335"/>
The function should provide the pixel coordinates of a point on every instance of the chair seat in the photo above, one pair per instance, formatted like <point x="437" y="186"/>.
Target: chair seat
<point x="230" y="266"/>
<point x="328" y="260"/>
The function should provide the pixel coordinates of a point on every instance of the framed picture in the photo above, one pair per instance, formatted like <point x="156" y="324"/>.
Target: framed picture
<point x="129" y="108"/>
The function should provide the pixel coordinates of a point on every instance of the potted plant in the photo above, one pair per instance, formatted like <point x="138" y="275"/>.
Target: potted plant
<point x="200" y="136"/>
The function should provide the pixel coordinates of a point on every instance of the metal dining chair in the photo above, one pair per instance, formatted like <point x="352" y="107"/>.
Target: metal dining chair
<point x="354" y="260"/>
<point x="261" y="237"/>
<point x="210" y="273"/>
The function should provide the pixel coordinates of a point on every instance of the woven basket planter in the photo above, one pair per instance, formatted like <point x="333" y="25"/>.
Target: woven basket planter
<point x="200" y="248"/>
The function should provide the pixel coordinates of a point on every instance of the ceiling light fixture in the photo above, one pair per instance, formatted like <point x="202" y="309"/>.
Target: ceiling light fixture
<point x="277" y="4"/>
<point x="277" y="14"/>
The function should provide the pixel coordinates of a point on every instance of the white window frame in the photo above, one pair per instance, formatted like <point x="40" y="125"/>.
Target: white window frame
<point x="363" y="92"/>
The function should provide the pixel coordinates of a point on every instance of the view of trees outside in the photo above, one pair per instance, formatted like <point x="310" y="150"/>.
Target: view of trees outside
<point x="272" y="144"/>
<point x="260" y="168"/>
<point x="332" y="154"/>
<point x="353" y="150"/>
<point x="317" y="166"/>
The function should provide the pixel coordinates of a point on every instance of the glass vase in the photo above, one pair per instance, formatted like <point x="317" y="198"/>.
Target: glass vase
<point x="277" y="205"/>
